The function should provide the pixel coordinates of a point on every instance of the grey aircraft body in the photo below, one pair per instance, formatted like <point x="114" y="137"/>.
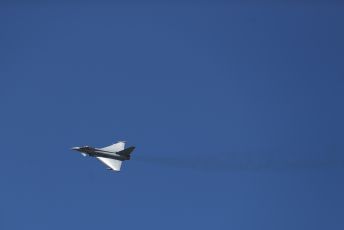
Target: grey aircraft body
<point x="112" y="156"/>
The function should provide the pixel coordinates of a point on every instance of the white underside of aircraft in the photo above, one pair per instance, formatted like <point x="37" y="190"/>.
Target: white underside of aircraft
<point x="112" y="163"/>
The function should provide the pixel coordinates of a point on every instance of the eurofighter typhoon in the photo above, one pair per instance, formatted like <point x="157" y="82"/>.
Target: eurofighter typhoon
<point x="112" y="156"/>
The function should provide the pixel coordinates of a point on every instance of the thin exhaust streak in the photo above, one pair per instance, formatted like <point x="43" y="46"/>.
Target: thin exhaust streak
<point x="231" y="162"/>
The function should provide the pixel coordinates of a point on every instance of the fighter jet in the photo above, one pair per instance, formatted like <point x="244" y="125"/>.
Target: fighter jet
<point x="112" y="156"/>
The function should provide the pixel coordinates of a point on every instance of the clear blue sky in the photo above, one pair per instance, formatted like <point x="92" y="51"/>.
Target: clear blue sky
<point x="236" y="111"/>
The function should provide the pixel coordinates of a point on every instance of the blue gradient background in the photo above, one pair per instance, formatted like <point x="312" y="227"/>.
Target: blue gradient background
<point x="236" y="111"/>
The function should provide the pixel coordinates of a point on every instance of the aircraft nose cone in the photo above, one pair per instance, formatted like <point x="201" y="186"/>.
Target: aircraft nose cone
<point x="75" y="148"/>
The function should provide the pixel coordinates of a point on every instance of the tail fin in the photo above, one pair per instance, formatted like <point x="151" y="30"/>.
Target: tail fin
<point x="127" y="151"/>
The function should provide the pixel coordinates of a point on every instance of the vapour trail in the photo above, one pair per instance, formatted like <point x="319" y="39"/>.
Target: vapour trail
<point x="241" y="162"/>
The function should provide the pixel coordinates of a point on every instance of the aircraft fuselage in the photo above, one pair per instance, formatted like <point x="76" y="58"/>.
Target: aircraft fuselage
<point x="94" y="152"/>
